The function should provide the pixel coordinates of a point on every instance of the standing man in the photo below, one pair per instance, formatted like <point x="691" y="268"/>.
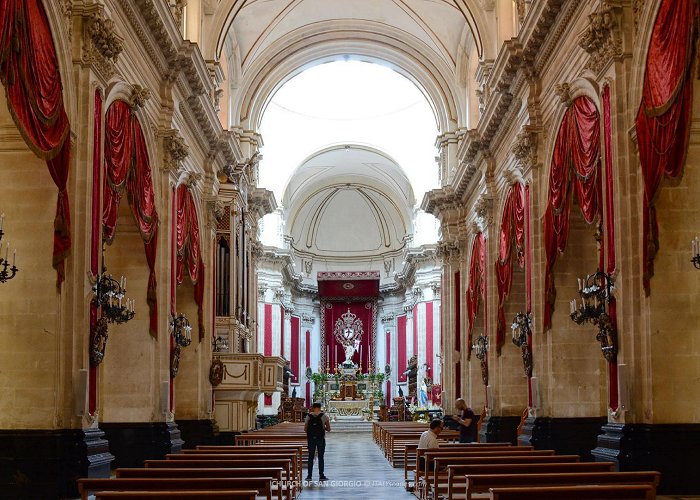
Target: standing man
<point x="466" y="421"/>
<point x="316" y="425"/>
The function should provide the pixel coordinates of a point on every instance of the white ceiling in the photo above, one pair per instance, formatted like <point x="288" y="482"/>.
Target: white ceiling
<point x="351" y="202"/>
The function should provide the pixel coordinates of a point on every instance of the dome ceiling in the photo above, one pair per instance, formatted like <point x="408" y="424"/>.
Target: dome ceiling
<point x="348" y="203"/>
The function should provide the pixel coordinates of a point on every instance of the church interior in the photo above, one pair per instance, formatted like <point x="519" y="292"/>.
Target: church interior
<point x="381" y="206"/>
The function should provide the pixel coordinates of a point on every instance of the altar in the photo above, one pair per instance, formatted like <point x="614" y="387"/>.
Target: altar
<point x="347" y="408"/>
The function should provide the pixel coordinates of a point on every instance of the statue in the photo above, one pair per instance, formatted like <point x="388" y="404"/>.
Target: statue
<point x="294" y="392"/>
<point x="350" y="351"/>
<point x="400" y="392"/>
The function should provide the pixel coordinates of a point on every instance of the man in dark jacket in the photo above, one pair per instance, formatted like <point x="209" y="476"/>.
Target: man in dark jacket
<point x="316" y="425"/>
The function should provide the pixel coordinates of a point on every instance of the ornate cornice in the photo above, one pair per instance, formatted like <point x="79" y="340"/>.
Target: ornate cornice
<point x="601" y="39"/>
<point x="261" y="202"/>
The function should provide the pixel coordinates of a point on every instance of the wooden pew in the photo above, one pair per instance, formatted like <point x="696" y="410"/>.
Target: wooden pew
<point x="457" y="473"/>
<point x="607" y="492"/>
<point x="440" y="459"/>
<point x="261" y="484"/>
<point x="169" y="495"/>
<point x="411" y="453"/>
<point x="289" y="454"/>
<point x="482" y="483"/>
<point x="288" y="483"/>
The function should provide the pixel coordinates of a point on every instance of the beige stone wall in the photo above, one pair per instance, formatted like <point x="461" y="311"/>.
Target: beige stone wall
<point x="30" y="332"/>
<point x="506" y="372"/>
<point x="128" y="383"/>
<point x="675" y="293"/>
<point x="576" y="368"/>
<point x="192" y="399"/>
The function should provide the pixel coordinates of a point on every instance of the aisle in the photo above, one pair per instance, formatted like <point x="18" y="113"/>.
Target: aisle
<point x="356" y="470"/>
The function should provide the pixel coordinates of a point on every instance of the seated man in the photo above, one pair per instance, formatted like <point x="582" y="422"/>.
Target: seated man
<point x="429" y="439"/>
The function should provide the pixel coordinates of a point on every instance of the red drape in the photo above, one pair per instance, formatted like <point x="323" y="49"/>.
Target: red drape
<point x="118" y="153"/>
<point x="189" y="253"/>
<point x="477" y="283"/>
<point x="30" y="75"/>
<point x="127" y="166"/>
<point x="663" y="119"/>
<point x="575" y="161"/>
<point x="512" y="237"/>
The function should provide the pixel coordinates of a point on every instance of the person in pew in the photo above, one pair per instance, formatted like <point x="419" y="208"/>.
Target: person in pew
<point x="316" y="425"/>
<point x="466" y="420"/>
<point x="429" y="439"/>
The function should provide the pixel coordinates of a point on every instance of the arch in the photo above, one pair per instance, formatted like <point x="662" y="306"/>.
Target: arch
<point x="222" y="23"/>
<point x="330" y="40"/>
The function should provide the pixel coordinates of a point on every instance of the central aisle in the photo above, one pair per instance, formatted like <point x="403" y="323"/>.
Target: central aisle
<point x="356" y="470"/>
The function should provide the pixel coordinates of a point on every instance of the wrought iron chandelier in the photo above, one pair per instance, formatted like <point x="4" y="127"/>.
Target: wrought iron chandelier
<point x="695" y="244"/>
<point x="595" y="291"/>
<point x="6" y="275"/>
<point x="182" y="334"/>
<point x="481" y="349"/>
<point x="109" y="295"/>
<point x="522" y="324"/>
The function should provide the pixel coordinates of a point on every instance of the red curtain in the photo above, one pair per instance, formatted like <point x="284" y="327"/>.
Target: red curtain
<point x="512" y="237"/>
<point x="663" y="119"/>
<point x="477" y="283"/>
<point x="118" y="153"/>
<point x="127" y="166"/>
<point x="29" y="73"/>
<point x="332" y="311"/>
<point x="189" y="253"/>
<point x="575" y="161"/>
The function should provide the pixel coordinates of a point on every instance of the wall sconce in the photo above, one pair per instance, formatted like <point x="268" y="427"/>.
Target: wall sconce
<point x="4" y="263"/>
<point x="481" y="349"/>
<point x="595" y="291"/>
<point x="181" y="331"/>
<point x="521" y="330"/>
<point x="695" y="244"/>
<point x="108" y="295"/>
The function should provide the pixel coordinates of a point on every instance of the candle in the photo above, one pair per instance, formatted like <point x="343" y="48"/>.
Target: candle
<point x="328" y="354"/>
<point x="124" y="285"/>
<point x="7" y="251"/>
<point x="2" y="221"/>
<point x="14" y="257"/>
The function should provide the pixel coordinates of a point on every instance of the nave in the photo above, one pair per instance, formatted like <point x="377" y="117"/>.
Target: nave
<point x="356" y="469"/>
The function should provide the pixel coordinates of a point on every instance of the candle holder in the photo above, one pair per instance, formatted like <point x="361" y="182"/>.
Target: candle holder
<point x="182" y="333"/>
<point x="595" y="291"/>
<point x="481" y="349"/>
<point x="108" y="294"/>
<point x="695" y="244"/>
<point x="522" y="324"/>
<point x="6" y="275"/>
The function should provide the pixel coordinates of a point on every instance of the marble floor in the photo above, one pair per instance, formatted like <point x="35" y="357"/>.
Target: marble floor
<point x="356" y="469"/>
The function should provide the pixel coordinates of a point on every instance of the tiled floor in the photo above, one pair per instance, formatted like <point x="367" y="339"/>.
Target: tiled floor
<point x="357" y="470"/>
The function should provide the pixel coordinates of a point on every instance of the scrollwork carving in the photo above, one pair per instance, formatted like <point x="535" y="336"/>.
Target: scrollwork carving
<point x="601" y="39"/>
<point x="524" y="149"/>
<point x="139" y="96"/>
<point x="563" y="91"/>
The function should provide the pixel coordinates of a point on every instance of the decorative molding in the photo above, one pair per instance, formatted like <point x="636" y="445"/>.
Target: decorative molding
<point x="216" y="210"/>
<point x="176" y="150"/>
<point x="563" y="91"/>
<point x="67" y="11"/>
<point x="139" y="96"/>
<point x="601" y="39"/>
<point x="524" y="148"/>
<point x="484" y="210"/>
<point x="101" y="44"/>
<point x="307" y="320"/>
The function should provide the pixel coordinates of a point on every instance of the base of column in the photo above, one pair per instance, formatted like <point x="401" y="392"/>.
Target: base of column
<point x="497" y="429"/>
<point x="672" y="449"/>
<point x="199" y="432"/>
<point x="46" y="463"/>
<point x="133" y="442"/>
<point x="568" y="436"/>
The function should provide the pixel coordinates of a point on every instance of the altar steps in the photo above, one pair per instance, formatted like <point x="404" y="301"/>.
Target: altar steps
<point x="351" y="426"/>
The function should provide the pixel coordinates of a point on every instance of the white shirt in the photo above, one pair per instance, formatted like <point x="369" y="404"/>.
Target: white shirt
<point x="428" y="440"/>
